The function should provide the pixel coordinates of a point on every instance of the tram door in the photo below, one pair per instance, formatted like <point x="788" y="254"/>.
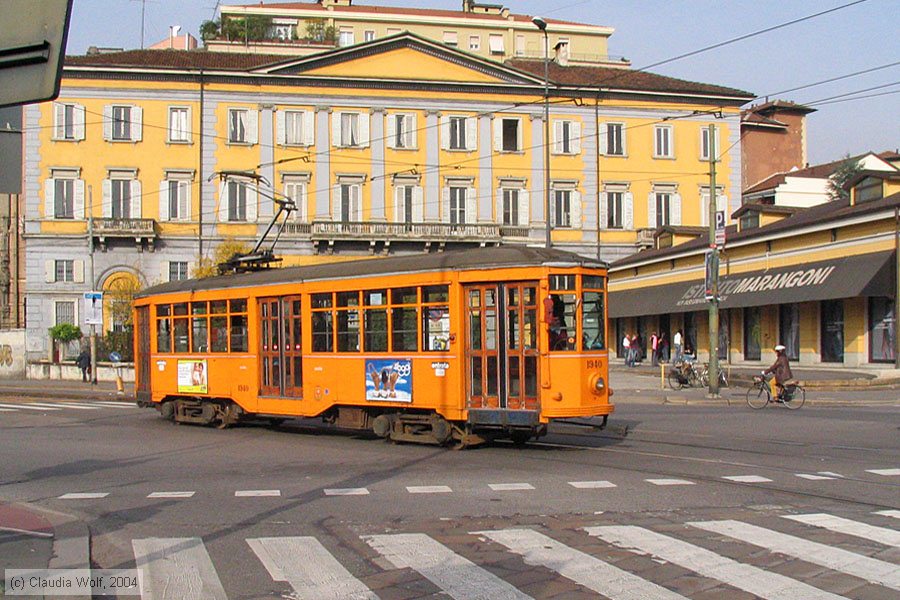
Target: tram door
<point x="502" y="346"/>
<point x="281" y="349"/>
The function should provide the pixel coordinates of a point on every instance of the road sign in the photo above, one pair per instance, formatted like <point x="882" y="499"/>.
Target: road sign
<point x="93" y="308"/>
<point x="720" y="228"/>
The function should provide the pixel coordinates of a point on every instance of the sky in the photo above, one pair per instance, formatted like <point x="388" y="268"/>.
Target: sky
<point x="849" y="40"/>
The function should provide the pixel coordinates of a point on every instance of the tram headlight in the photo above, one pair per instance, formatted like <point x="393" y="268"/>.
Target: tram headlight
<point x="599" y="384"/>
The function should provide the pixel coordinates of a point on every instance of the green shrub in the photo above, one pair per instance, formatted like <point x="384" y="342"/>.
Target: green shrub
<point x="65" y="333"/>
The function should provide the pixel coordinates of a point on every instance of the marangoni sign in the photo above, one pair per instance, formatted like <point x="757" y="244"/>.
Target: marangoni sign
<point x="696" y="294"/>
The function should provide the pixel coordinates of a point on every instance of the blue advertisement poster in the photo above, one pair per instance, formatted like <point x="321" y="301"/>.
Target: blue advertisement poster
<point x="389" y="380"/>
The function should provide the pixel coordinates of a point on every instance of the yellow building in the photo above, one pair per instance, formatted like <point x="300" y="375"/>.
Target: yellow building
<point x="401" y="144"/>
<point x="821" y="281"/>
<point x="484" y="29"/>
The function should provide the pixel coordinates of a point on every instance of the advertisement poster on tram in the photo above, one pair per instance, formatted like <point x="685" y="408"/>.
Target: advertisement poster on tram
<point x="192" y="376"/>
<point x="389" y="380"/>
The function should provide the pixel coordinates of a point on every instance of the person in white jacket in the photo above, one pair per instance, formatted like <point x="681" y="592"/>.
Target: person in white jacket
<point x="678" y="343"/>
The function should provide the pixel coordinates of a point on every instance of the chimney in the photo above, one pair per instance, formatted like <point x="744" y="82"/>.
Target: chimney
<point x="562" y="53"/>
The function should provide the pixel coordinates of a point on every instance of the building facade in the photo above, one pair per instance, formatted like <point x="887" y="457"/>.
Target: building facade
<point x="398" y="145"/>
<point x="821" y="281"/>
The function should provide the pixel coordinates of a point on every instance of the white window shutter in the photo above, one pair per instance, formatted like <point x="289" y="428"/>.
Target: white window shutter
<point x="520" y="135"/>
<point x="280" y="133"/>
<point x="135" y="199"/>
<point x="575" y="133"/>
<point x="604" y="140"/>
<point x="49" y="271"/>
<point x="418" y="205"/>
<point x="628" y="210"/>
<point x="398" y="204"/>
<point x="471" y="134"/>
<point x="676" y="209"/>
<point x="393" y="124"/>
<point x="184" y="201"/>
<point x="303" y="208"/>
<point x="164" y="271"/>
<point x="336" y="203"/>
<point x="557" y="137"/>
<point x="412" y="131"/>
<point x="78" y="115"/>
<point x="78" y="202"/>
<point x="445" y="205"/>
<point x="78" y="271"/>
<point x="107" y="198"/>
<point x="252" y="126"/>
<point x="356" y="208"/>
<point x="575" y="210"/>
<point x="164" y="200"/>
<point x="49" y="198"/>
<point x="722" y="204"/>
<point x="604" y="210"/>
<point x="107" y="122"/>
<point x="59" y="121"/>
<point x="336" y="129"/>
<point x="364" y="119"/>
<point x="524" y="204"/>
<point x="189" y="125"/>
<point x="499" y="211"/>
<point x="624" y="136"/>
<point x="309" y="128"/>
<point x="137" y="123"/>
<point x="651" y="210"/>
<point x="445" y="133"/>
<point x="498" y="134"/>
<point x="223" y="202"/>
<point x="471" y="204"/>
<point x="252" y="201"/>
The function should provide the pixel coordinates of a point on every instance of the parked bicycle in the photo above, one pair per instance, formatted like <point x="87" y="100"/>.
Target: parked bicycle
<point x="690" y="374"/>
<point x="759" y="395"/>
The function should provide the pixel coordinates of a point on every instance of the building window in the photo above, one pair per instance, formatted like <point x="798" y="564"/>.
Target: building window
<point x="663" y="208"/>
<point x="495" y="42"/>
<point x="662" y="145"/>
<point x="613" y="143"/>
<point x="510" y="206"/>
<point x="120" y="199"/>
<point x="238" y="122"/>
<point x="458" y="135"/>
<point x="882" y="329"/>
<point x="65" y="312"/>
<point x="562" y="205"/>
<point x="63" y="198"/>
<point x="293" y="128"/>
<point x="566" y="137"/>
<point x="68" y="123"/>
<point x="403" y="131"/>
<point x="869" y="189"/>
<point x="510" y="135"/>
<point x="704" y="143"/>
<point x="175" y="199"/>
<point x="237" y="201"/>
<point x="750" y="221"/>
<point x="789" y="329"/>
<point x="179" y="124"/>
<point x="832" y="331"/>
<point x="458" y="205"/>
<point x="178" y="270"/>
<point x="349" y="202"/>
<point x="615" y="204"/>
<point x="121" y="123"/>
<point x="475" y="43"/>
<point x="408" y="201"/>
<point x="65" y="271"/>
<point x="451" y="38"/>
<point x="349" y="134"/>
<point x="368" y="35"/>
<point x="752" y="333"/>
<point x="345" y="38"/>
<point x="295" y="188"/>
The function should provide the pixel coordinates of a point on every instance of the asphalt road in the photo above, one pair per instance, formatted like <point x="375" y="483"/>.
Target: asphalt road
<point x="672" y="501"/>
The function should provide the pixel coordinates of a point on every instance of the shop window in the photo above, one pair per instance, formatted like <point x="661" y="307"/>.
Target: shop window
<point x="832" y="331"/>
<point x="789" y="329"/>
<point x="752" y="334"/>
<point x="882" y="329"/>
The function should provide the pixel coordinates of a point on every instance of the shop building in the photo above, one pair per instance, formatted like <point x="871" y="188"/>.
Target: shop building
<point x="821" y="281"/>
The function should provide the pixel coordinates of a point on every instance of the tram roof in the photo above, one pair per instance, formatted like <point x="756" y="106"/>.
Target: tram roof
<point x="452" y="260"/>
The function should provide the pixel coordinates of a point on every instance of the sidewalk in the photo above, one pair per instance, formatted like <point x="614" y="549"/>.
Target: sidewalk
<point x="56" y="388"/>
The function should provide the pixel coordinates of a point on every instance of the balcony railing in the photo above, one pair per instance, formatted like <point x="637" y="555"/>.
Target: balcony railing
<point x="125" y="227"/>
<point x="645" y="237"/>
<point x="392" y="231"/>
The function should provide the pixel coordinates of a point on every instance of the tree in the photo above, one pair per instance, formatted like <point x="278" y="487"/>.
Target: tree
<point x="208" y="267"/>
<point x="318" y="31"/>
<point x="253" y="28"/>
<point x="209" y="30"/>
<point x="846" y="171"/>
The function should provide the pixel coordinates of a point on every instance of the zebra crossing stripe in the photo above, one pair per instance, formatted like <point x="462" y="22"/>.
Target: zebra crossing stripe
<point x="346" y="492"/>
<point x="870" y="569"/>
<point x="882" y="535"/>
<point x="64" y="405"/>
<point x="669" y="481"/>
<point x="27" y="407"/>
<point x="92" y="405"/>
<point x="257" y="493"/>
<point x="305" y="564"/>
<point x="83" y="496"/>
<point x="510" y="487"/>
<point x="7" y="410"/>
<point x="539" y="550"/>
<point x="748" y="478"/>
<point x="753" y="580"/>
<point x="591" y="485"/>
<point x="118" y="404"/>
<point x="812" y="477"/>
<point x="171" y="495"/>
<point x="889" y="513"/>
<point x="176" y="569"/>
<point x="885" y="472"/>
<point x="428" y="489"/>
<point x="457" y="576"/>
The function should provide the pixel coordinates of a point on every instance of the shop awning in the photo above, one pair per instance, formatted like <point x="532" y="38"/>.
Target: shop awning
<point x="849" y="277"/>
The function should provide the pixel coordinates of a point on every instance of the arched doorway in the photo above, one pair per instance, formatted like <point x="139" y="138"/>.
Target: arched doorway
<point x="118" y="292"/>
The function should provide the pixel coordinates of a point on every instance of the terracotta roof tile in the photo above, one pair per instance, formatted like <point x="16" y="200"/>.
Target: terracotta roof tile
<point x="176" y="59"/>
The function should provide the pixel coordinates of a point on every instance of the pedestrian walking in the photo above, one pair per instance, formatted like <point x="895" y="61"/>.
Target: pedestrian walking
<point x="654" y="349"/>
<point x="626" y="345"/>
<point x="677" y="342"/>
<point x="637" y="346"/>
<point x="84" y="363"/>
<point x="663" y="347"/>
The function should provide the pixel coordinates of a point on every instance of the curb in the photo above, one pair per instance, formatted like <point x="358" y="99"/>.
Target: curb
<point x="66" y="394"/>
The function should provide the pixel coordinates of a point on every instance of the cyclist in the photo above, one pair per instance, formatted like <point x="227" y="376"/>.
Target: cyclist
<point x="784" y="378"/>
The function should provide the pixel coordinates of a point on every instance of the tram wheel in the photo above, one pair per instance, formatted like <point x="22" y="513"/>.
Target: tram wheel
<point x="520" y="438"/>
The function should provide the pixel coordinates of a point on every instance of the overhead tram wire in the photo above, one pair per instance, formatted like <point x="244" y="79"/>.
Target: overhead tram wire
<point x="830" y="80"/>
<point x="866" y="97"/>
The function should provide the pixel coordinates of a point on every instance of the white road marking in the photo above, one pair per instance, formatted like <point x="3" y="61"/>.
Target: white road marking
<point x="870" y="569"/>
<point x="428" y="489"/>
<point x="113" y="403"/>
<point x="64" y="405"/>
<point x="83" y="496"/>
<point x="882" y="535"/>
<point x="510" y="487"/>
<point x="753" y="580"/>
<point x="457" y="576"/>
<point x="885" y="472"/>
<point x="812" y="477"/>
<point x="591" y="485"/>
<point x="257" y="493"/>
<point x="831" y="474"/>
<point x="27" y="406"/>
<point x="171" y="495"/>
<point x="347" y="492"/>
<point x="669" y="482"/>
<point x="889" y="513"/>
<point x="539" y="550"/>
<point x="176" y="568"/>
<point x="93" y="405"/>
<point x="748" y="478"/>
<point x="305" y="564"/>
<point x="8" y="410"/>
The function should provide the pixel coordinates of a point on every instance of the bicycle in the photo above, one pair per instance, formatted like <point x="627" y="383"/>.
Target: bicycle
<point x="685" y="374"/>
<point x="759" y="395"/>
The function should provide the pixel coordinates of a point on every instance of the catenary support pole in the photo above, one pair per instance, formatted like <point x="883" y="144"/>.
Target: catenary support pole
<point x="714" y="266"/>
<point x="896" y="286"/>
<point x="93" y="374"/>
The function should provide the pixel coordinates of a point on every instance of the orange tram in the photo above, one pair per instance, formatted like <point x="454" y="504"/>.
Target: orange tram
<point x="458" y="347"/>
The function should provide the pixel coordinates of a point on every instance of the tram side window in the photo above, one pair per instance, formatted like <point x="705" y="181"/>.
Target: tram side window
<point x="209" y="327"/>
<point x="404" y="320"/>
<point x="199" y="327"/>
<point x="348" y="322"/>
<point x="237" y="330"/>
<point x="436" y="318"/>
<point x="376" y="321"/>
<point x="180" y="327"/>
<point x="163" y="328"/>
<point x="322" y="325"/>
<point x="592" y="320"/>
<point x="218" y="326"/>
<point x="560" y="312"/>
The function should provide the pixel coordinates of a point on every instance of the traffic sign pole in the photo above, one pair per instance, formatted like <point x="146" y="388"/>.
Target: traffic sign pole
<point x="714" y="271"/>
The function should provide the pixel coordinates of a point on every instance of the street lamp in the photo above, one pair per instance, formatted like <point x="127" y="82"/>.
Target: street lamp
<point x="542" y="25"/>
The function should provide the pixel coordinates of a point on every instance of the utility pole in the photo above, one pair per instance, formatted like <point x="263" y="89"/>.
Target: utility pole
<point x="542" y="25"/>
<point x="713" y="275"/>
<point x="91" y="256"/>
<point x="897" y="286"/>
